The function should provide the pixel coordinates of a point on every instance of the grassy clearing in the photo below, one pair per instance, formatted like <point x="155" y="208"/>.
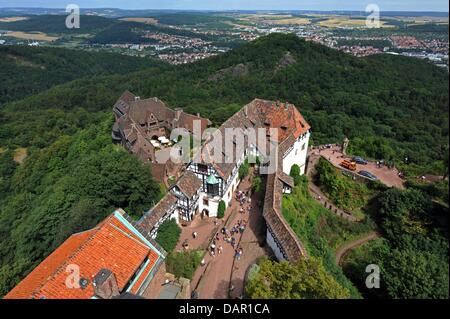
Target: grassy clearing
<point x="20" y="155"/>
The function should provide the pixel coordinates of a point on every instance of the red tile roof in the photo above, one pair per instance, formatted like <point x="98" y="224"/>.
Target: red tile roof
<point x="110" y="245"/>
<point x="153" y="257"/>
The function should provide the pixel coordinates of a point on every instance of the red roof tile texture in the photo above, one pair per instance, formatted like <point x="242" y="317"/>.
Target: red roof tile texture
<point x="110" y="245"/>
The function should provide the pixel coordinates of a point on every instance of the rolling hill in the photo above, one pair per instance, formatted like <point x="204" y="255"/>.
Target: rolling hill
<point x="30" y="70"/>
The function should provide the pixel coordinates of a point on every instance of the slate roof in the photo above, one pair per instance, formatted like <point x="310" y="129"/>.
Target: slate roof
<point x="273" y="216"/>
<point x="110" y="245"/>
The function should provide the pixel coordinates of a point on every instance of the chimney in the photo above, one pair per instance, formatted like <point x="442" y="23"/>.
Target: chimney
<point x="105" y="284"/>
<point x="286" y="106"/>
<point x="246" y="110"/>
<point x="198" y="115"/>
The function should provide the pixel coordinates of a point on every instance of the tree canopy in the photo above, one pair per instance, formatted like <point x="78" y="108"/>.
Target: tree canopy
<point x="306" y="279"/>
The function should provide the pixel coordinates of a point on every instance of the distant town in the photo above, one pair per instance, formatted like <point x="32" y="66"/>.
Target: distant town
<point x="197" y="38"/>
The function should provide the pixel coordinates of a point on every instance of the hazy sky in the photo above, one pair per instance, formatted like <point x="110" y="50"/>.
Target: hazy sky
<point x="385" y="5"/>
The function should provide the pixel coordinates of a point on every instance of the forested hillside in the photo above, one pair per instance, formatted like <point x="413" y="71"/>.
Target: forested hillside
<point x="67" y="187"/>
<point x="54" y="24"/>
<point x="390" y="107"/>
<point x="30" y="70"/>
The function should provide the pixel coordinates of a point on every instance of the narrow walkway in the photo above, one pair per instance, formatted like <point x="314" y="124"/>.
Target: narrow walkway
<point x="343" y="250"/>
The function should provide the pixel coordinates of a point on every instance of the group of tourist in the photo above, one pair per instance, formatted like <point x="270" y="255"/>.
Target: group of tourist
<point x="242" y="198"/>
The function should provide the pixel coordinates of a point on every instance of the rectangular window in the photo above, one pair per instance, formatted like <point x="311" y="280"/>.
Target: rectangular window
<point x="303" y="146"/>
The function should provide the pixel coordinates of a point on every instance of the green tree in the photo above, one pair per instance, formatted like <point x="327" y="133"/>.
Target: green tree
<point x="168" y="234"/>
<point x="256" y="184"/>
<point x="418" y="275"/>
<point x="306" y="279"/>
<point x="295" y="174"/>
<point x="244" y="169"/>
<point x="221" y="209"/>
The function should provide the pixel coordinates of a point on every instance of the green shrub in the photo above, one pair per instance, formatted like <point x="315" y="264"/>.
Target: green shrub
<point x="306" y="279"/>
<point x="221" y="209"/>
<point x="184" y="263"/>
<point x="244" y="169"/>
<point x="256" y="184"/>
<point x="295" y="174"/>
<point x="168" y="234"/>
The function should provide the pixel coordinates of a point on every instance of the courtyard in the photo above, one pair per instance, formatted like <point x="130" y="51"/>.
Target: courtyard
<point x="222" y="274"/>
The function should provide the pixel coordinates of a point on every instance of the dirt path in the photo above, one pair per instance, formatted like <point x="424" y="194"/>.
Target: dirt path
<point x="343" y="250"/>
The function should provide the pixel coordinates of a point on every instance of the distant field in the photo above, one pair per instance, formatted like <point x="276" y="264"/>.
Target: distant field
<point x="12" y="19"/>
<point x="36" y="36"/>
<point x="274" y="19"/>
<point x="298" y="21"/>
<point x="424" y="20"/>
<point x="141" y="20"/>
<point x="345" y="21"/>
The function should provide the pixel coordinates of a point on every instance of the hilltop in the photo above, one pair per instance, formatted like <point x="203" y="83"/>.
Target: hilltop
<point x="30" y="70"/>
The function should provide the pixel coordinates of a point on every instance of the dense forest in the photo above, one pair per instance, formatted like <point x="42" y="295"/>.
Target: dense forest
<point x="389" y="106"/>
<point x="57" y="24"/>
<point x="30" y="70"/>
<point x="413" y="253"/>
<point x="392" y="107"/>
<point x="65" y="188"/>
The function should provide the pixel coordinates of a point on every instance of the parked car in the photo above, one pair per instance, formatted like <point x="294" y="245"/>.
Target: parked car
<point x="359" y="160"/>
<point x="348" y="165"/>
<point x="368" y="175"/>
